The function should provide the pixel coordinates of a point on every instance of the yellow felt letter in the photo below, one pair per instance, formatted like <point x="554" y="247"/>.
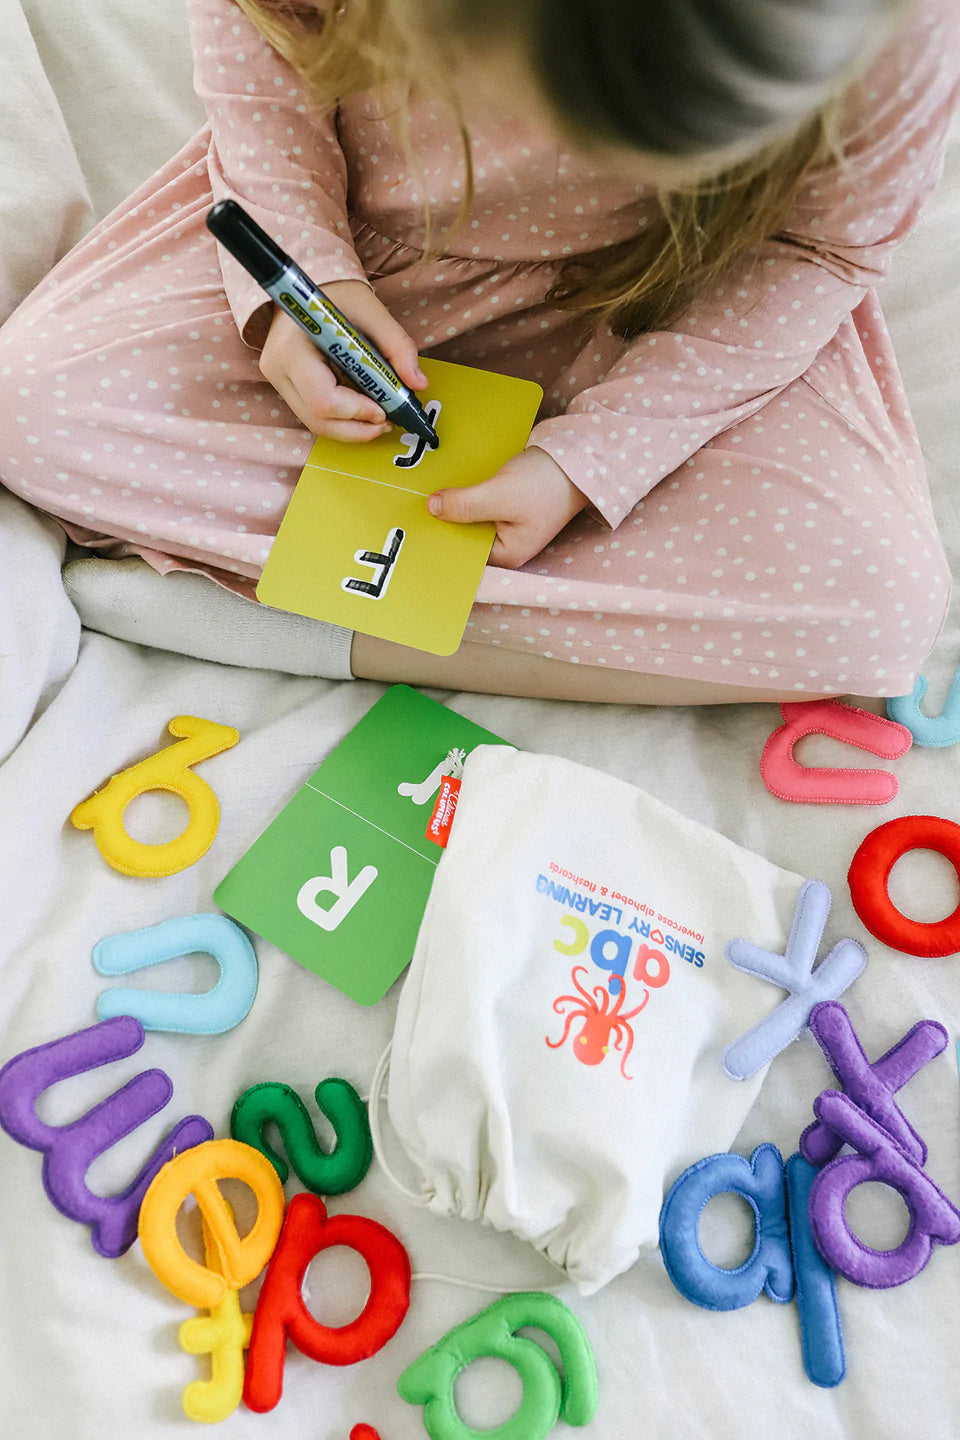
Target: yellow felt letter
<point x="224" y="1334"/>
<point x="196" y="1172"/>
<point x="168" y="769"/>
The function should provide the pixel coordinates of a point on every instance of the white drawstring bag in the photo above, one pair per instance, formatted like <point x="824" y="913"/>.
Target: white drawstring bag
<point x="558" y="1043"/>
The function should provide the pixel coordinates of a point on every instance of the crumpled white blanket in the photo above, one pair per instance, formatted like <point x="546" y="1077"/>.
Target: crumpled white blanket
<point x="88" y="1346"/>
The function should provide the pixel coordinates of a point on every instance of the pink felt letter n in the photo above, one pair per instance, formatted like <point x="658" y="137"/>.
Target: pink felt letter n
<point x="829" y="785"/>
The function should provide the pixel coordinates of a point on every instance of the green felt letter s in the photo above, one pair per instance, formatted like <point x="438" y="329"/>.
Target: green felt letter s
<point x="324" y="1173"/>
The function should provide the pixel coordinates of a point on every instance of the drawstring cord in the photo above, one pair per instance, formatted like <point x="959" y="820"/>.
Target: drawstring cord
<point x="376" y="1135"/>
<point x="373" y="1108"/>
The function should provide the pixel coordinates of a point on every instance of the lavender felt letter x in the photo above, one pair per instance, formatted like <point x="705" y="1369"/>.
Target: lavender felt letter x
<point x="872" y="1087"/>
<point x="792" y="971"/>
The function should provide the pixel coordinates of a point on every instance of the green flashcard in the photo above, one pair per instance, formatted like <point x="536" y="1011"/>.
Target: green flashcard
<point x="340" y="879"/>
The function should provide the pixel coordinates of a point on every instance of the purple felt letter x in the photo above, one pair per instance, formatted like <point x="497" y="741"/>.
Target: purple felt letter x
<point x="793" y="971"/>
<point x="872" y="1087"/>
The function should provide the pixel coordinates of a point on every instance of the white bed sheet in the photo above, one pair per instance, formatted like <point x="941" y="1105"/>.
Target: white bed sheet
<point x="88" y="1346"/>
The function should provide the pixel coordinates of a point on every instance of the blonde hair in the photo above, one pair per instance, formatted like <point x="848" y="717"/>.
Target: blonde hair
<point x="676" y="79"/>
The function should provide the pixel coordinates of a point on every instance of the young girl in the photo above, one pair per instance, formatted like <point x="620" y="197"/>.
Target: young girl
<point x="670" y="213"/>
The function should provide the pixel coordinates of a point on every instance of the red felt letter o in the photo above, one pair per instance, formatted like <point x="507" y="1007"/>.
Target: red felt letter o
<point x="869" y="874"/>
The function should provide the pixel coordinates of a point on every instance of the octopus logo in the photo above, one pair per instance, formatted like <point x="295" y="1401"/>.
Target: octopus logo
<point x="600" y="1020"/>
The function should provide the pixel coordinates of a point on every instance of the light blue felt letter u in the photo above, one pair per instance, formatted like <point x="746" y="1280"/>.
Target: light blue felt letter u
<point x="210" y="1013"/>
<point x="939" y="730"/>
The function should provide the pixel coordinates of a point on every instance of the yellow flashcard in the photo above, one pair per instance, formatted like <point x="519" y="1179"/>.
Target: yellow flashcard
<point x="358" y="546"/>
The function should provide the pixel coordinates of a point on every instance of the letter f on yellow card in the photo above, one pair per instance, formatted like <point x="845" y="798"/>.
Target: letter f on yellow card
<point x="358" y="546"/>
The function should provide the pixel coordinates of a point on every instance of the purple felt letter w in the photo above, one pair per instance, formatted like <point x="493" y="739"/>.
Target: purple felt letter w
<point x="69" y="1150"/>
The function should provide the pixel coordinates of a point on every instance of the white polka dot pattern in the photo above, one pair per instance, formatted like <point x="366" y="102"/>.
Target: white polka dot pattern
<point x="760" y="514"/>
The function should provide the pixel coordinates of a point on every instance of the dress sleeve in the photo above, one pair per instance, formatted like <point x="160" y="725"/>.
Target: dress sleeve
<point x="666" y="394"/>
<point x="281" y="160"/>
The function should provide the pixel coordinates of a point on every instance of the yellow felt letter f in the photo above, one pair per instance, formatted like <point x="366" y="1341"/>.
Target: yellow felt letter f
<point x="224" y="1334"/>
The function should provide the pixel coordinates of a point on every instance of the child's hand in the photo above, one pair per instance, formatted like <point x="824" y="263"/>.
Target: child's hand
<point x="529" y="499"/>
<point x="313" y="390"/>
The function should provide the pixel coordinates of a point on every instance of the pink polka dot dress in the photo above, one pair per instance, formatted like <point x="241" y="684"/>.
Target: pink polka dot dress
<point x="759" y="513"/>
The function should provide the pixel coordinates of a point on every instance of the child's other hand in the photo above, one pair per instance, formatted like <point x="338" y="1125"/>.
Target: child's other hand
<point x="529" y="500"/>
<point x="313" y="390"/>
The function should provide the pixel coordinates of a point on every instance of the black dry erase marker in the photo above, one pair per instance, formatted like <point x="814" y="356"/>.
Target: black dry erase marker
<point x="332" y="333"/>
